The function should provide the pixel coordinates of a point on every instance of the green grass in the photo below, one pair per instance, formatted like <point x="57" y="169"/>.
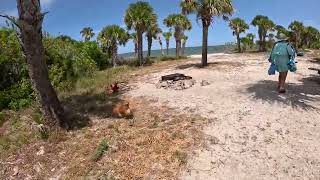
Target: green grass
<point x="99" y="81"/>
<point x="18" y="134"/>
<point x="98" y="153"/>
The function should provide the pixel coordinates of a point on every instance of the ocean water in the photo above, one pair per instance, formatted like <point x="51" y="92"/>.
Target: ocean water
<point x="188" y="51"/>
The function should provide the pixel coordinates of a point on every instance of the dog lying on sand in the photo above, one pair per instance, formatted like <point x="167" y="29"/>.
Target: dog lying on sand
<point x="122" y="110"/>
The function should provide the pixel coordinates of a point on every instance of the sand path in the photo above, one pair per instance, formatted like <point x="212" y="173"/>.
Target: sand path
<point x="255" y="133"/>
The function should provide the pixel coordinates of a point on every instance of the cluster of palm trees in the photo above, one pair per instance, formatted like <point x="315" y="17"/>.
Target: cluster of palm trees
<point x="142" y="20"/>
<point x="297" y="33"/>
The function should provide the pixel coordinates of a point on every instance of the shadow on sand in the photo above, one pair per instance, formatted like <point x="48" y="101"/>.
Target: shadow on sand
<point x="315" y="61"/>
<point x="81" y="107"/>
<point x="298" y="96"/>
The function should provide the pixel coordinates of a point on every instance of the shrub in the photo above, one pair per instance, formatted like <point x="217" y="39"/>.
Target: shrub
<point x="315" y="45"/>
<point x="67" y="61"/>
<point x="17" y="96"/>
<point x="93" y="50"/>
<point x="167" y="58"/>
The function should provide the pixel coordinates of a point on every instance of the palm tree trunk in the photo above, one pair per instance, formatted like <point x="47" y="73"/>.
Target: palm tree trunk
<point x="238" y="42"/>
<point x="183" y="47"/>
<point x="264" y="43"/>
<point x="114" y="54"/>
<point x="204" y="60"/>
<point x="30" y="22"/>
<point x="149" y="45"/>
<point x="260" y="39"/>
<point x="178" y="47"/>
<point x="135" y="49"/>
<point x="167" y="44"/>
<point x="140" y="47"/>
<point x="161" y="47"/>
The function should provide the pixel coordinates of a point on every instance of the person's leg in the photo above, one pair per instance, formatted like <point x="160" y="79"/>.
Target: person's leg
<point x="282" y="80"/>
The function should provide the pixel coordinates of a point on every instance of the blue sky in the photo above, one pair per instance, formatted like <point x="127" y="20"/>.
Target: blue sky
<point x="70" y="16"/>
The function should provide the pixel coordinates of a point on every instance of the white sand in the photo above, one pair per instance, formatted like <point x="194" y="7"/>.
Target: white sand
<point x="209" y="55"/>
<point x="260" y="134"/>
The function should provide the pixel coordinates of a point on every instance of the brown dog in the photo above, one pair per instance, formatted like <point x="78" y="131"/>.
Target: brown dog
<point x="122" y="110"/>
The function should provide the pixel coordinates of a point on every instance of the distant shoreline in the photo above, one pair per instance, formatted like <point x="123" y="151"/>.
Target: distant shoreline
<point x="189" y="51"/>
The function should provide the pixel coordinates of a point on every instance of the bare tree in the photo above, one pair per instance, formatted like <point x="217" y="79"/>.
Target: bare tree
<point x="29" y="29"/>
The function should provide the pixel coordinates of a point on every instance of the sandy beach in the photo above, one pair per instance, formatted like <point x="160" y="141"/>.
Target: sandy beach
<point x="255" y="132"/>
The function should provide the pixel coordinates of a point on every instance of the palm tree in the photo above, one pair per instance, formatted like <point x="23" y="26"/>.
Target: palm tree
<point x="282" y="32"/>
<point x="297" y="29"/>
<point x="134" y="38"/>
<point x="251" y="37"/>
<point x="167" y="36"/>
<point x="161" y="45"/>
<point x="184" y="42"/>
<point x="87" y="33"/>
<point x="245" y="41"/>
<point x="205" y="11"/>
<point x="180" y="23"/>
<point x="271" y="40"/>
<point x="112" y="36"/>
<point x="238" y="26"/>
<point x="310" y="35"/>
<point x="152" y="33"/>
<point x="264" y="25"/>
<point x="139" y="16"/>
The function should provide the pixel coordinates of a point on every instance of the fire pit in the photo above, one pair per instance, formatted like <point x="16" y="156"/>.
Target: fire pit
<point x="175" y="81"/>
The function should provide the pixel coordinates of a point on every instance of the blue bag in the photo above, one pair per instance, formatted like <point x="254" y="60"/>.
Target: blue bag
<point x="272" y="69"/>
<point x="292" y="65"/>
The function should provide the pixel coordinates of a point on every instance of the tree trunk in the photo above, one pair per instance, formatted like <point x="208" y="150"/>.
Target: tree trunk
<point x="167" y="44"/>
<point x="183" y="47"/>
<point x="140" y="47"/>
<point x="238" y="43"/>
<point x="161" y="47"/>
<point x="30" y="22"/>
<point x="204" y="60"/>
<point x="114" y="54"/>
<point x="178" y="47"/>
<point x="135" y="49"/>
<point x="260" y="39"/>
<point x="264" y="43"/>
<point x="149" y="45"/>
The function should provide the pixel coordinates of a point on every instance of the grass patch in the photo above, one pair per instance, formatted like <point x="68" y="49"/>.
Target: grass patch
<point x="19" y="130"/>
<point x="98" y="153"/>
<point x="99" y="81"/>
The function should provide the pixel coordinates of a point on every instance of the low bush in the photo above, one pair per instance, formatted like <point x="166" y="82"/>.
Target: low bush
<point x="68" y="61"/>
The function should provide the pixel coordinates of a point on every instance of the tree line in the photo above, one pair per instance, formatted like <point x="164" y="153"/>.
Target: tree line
<point x="268" y="32"/>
